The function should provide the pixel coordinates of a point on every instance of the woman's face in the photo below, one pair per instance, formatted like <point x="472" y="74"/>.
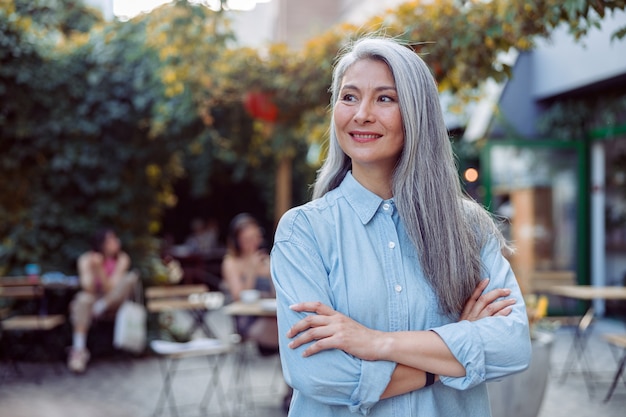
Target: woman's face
<point x="367" y="117"/>
<point x="111" y="245"/>
<point x="250" y="238"/>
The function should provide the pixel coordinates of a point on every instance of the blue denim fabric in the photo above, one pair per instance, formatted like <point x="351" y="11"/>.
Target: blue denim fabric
<point x="350" y="250"/>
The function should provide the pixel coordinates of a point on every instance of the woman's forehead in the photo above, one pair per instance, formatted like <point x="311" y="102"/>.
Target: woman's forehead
<point x="368" y="70"/>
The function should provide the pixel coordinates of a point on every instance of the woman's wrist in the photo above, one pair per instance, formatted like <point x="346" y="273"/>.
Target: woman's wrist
<point x="383" y="346"/>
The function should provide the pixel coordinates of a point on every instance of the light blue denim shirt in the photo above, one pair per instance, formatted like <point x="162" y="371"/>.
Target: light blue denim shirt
<point x="349" y="250"/>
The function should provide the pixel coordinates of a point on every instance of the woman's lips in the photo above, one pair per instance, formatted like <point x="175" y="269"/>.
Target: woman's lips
<point x="363" y="137"/>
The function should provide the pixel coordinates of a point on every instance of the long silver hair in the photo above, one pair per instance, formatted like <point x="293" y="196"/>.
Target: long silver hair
<point x="447" y="228"/>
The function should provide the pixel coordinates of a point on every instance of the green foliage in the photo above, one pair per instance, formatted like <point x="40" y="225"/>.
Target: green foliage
<point x="75" y="150"/>
<point x="99" y="120"/>
<point x="462" y="40"/>
<point x="63" y="16"/>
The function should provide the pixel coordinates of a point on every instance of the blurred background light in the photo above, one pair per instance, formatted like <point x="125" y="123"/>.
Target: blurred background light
<point x="471" y="175"/>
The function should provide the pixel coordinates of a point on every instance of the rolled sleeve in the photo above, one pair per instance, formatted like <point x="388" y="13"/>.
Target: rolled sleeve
<point x="466" y="346"/>
<point x="491" y="347"/>
<point x="375" y="377"/>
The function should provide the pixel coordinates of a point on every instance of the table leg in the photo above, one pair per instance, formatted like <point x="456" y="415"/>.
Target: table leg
<point x="577" y="351"/>
<point x="199" y="323"/>
<point x="619" y="373"/>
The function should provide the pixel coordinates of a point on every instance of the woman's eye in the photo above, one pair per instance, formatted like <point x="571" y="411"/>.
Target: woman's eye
<point x="348" y="97"/>
<point x="386" y="99"/>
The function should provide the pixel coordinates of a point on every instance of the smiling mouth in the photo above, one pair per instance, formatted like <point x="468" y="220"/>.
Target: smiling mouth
<point x="365" y="137"/>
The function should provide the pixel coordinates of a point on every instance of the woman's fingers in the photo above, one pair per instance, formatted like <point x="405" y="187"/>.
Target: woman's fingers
<point x="489" y="297"/>
<point x="320" y="318"/>
<point x="328" y="329"/>
<point x="313" y="328"/>
<point x="498" y="308"/>
<point x="491" y="303"/>
<point x="312" y="307"/>
<point x="474" y="297"/>
<point x="482" y="285"/>
<point x="309" y="335"/>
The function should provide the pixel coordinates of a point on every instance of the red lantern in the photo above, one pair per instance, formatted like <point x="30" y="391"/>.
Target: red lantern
<point x="260" y="106"/>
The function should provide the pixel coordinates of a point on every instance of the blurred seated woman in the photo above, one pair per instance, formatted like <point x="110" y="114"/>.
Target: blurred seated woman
<point x="246" y="266"/>
<point x="106" y="281"/>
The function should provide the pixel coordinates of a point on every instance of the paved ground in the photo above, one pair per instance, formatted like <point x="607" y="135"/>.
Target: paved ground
<point x="571" y="398"/>
<point x="129" y="387"/>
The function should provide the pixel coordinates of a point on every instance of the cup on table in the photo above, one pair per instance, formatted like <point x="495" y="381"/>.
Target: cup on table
<point x="249" y="296"/>
<point x="32" y="272"/>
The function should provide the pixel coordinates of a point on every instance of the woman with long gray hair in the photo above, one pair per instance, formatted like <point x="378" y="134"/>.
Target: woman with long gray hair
<point x="394" y="297"/>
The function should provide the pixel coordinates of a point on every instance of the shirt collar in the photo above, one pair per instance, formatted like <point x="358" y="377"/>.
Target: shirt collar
<point x="364" y="202"/>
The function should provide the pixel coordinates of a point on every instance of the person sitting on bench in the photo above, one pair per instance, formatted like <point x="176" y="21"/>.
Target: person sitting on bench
<point x="106" y="281"/>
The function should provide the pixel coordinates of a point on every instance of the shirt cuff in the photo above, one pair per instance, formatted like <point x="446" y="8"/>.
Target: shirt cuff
<point x="375" y="376"/>
<point x="463" y="343"/>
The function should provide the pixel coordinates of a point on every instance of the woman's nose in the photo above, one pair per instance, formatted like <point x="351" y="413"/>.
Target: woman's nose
<point x="364" y="113"/>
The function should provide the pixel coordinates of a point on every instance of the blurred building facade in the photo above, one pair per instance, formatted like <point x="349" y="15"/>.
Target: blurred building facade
<point x="564" y="189"/>
<point x="294" y="22"/>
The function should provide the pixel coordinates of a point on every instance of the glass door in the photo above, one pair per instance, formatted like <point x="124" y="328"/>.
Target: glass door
<point x="539" y="190"/>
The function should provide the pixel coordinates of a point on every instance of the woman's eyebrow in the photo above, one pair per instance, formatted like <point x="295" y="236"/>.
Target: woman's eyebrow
<point x="380" y="88"/>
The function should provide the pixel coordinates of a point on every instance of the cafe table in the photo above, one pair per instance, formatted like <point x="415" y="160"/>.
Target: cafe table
<point x="264" y="307"/>
<point x="583" y="329"/>
<point x="196" y="300"/>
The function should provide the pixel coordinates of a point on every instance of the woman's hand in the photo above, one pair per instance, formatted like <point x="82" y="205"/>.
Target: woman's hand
<point x="329" y="329"/>
<point x="481" y="305"/>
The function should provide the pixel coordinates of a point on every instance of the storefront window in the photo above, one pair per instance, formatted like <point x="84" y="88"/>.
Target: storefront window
<point x="615" y="218"/>
<point x="535" y="190"/>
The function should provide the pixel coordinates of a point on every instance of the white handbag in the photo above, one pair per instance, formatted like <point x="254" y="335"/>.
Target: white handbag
<point x="130" y="327"/>
<point x="130" y="330"/>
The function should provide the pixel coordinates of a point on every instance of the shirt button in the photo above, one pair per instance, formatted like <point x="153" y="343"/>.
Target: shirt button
<point x="386" y="206"/>
<point x="392" y="245"/>
<point x="398" y="288"/>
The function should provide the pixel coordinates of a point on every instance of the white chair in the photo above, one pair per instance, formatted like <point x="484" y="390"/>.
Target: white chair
<point x="214" y="349"/>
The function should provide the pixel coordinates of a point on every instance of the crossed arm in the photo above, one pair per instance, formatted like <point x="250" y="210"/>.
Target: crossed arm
<point x="91" y="271"/>
<point x="415" y="352"/>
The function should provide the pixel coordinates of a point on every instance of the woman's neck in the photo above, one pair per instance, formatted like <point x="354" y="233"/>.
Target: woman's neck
<point x="375" y="181"/>
<point x="109" y="255"/>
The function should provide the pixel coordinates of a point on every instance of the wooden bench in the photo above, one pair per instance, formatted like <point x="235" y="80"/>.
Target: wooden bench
<point x="38" y="322"/>
<point x="619" y="341"/>
<point x="23" y="288"/>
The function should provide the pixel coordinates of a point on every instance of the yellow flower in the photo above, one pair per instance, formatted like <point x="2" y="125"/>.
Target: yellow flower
<point x="153" y="172"/>
<point x="542" y="307"/>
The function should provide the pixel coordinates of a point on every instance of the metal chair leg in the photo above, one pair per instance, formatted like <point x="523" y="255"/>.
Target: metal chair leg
<point x="243" y="380"/>
<point x="168" y="370"/>
<point x="576" y="352"/>
<point x="214" y="386"/>
<point x="618" y="374"/>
